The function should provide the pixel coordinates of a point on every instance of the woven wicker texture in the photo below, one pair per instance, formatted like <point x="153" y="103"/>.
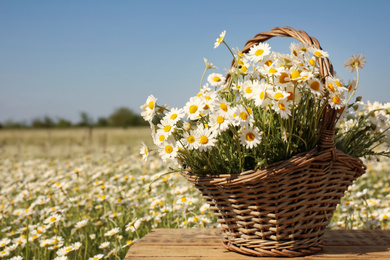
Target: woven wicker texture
<point x="282" y="210"/>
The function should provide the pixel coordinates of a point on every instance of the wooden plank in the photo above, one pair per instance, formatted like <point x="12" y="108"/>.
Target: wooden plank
<point x="202" y="243"/>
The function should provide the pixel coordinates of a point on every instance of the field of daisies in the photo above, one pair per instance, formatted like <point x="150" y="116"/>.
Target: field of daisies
<point x="96" y="205"/>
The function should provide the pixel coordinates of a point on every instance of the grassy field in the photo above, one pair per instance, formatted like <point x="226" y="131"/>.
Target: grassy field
<point x="77" y="194"/>
<point x="68" y="142"/>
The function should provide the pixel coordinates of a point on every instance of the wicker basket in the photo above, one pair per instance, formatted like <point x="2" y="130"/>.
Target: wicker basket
<point x="283" y="210"/>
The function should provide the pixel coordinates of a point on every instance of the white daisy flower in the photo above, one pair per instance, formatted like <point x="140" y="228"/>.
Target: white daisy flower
<point x="193" y="107"/>
<point x="220" y="121"/>
<point x="175" y="114"/>
<point x="334" y="85"/>
<point x="249" y="137"/>
<point x="216" y="79"/>
<point x="318" y="53"/>
<point x="112" y="232"/>
<point x="272" y="72"/>
<point x="242" y="116"/>
<point x="104" y="245"/>
<point x="4" y="242"/>
<point x="144" y="151"/>
<point x="53" y="219"/>
<point x="167" y="125"/>
<point x="257" y="52"/>
<point x="355" y="62"/>
<point x="282" y="108"/>
<point x="149" y="108"/>
<point x="189" y="140"/>
<point x="220" y="105"/>
<point x="220" y="39"/>
<point x="261" y="93"/>
<point x="299" y="49"/>
<point x="4" y="253"/>
<point x="160" y="137"/>
<point x="17" y="258"/>
<point x="279" y="94"/>
<point x="62" y="257"/>
<point x="209" y="65"/>
<point x="65" y="250"/>
<point x="316" y="87"/>
<point x="248" y="87"/>
<point x="337" y="100"/>
<point x="168" y="150"/>
<point x="84" y="222"/>
<point x="96" y="257"/>
<point x="295" y="94"/>
<point x="206" y="139"/>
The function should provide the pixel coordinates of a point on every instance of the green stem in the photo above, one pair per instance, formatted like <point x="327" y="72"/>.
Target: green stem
<point x="201" y="81"/>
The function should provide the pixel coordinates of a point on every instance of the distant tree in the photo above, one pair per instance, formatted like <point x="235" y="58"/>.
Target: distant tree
<point x="45" y="122"/>
<point x="102" y="122"/>
<point x="124" y="117"/>
<point x="63" y="123"/>
<point x="86" y="120"/>
<point x="14" y="125"/>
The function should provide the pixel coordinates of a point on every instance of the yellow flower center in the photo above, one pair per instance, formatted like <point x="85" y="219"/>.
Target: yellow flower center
<point x="167" y="128"/>
<point x="248" y="90"/>
<point x="151" y="104"/>
<point x="173" y="116"/>
<point x="259" y="52"/>
<point x="244" y="69"/>
<point x="203" y="139"/>
<point x="312" y="62"/>
<point x="338" y="83"/>
<point x="168" y="148"/>
<point x="249" y="110"/>
<point x="161" y="138"/>
<point x="295" y="53"/>
<point x="272" y="70"/>
<point x="193" y="109"/>
<point x="243" y="115"/>
<point x="220" y="39"/>
<point x="295" y="74"/>
<point x="278" y="95"/>
<point x="240" y="62"/>
<point x="263" y="95"/>
<point x="146" y="151"/>
<point x="282" y="78"/>
<point x="315" y="85"/>
<point x="356" y="63"/>
<point x="268" y="63"/>
<point x="220" y="119"/>
<point x="216" y="79"/>
<point x="191" y="139"/>
<point x="331" y="87"/>
<point x="336" y="99"/>
<point x="68" y="249"/>
<point x="281" y="106"/>
<point x="250" y="136"/>
<point x="206" y="107"/>
<point x="52" y="219"/>
<point x="318" y="54"/>
<point x="223" y="106"/>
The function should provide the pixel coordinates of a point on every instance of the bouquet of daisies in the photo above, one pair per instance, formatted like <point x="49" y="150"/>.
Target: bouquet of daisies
<point x="266" y="109"/>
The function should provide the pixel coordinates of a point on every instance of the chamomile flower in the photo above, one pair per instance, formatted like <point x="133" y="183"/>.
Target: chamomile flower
<point x="279" y="94"/>
<point x="261" y="93"/>
<point x="249" y="137"/>
<point x="257" y="52"/>
<point x="104" y="245"/>
<point x="4" y="242"/>
<point x="316" y="87"/>
<point x="220" y="121"/>
<point x="144" y="151"/>
<point x="333" y="85"/>
<point x="96" y="257"/>
<point x="220" y="39"/>
<point x="53" y="219"/>
<point x="167" y="125"/>
<point x="355" y="62"/>
<point x="4" y="253"/>
<point x="336" y="100"/>
<point x="112" y="232"/>
<point x="149" y="108"/>
<point x="189" y="140"/>
<point x="272" y="72"/>
<point x="193" y="107"/>
<point x="209" y="65"/>
<point x="299" y="49"/>
<point x="168" y="150"/>
<point x="242" y="116"/>
<point x="206" y="139"/>
<point x="282" y="107"/>
<point x="318" y="53"/>
<point x="216" y="79"/>
<point x="294" y="93"/>
<point x="161" y="136"/>
<point x="175" y="114"/>
<point x="83" y="223"/>
<point x="248" y="87"/>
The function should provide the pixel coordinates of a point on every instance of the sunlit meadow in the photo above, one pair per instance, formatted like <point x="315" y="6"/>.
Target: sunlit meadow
<point x="96" y="203"/>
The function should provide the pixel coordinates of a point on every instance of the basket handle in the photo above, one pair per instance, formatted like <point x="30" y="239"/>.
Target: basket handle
<point x="326" y="69"/>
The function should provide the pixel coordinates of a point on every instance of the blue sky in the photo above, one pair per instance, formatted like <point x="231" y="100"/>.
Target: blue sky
<point x="59" y="58"/>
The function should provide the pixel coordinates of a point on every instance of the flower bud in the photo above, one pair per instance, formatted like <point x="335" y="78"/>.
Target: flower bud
<point x="359" y="98"/>
<point x="187" y="126"/>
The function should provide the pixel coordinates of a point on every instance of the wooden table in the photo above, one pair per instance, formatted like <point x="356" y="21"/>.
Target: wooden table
<point x="205" y="243"/>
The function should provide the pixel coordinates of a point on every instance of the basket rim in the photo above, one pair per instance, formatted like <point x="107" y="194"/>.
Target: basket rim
<point x="277" y="168"/>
